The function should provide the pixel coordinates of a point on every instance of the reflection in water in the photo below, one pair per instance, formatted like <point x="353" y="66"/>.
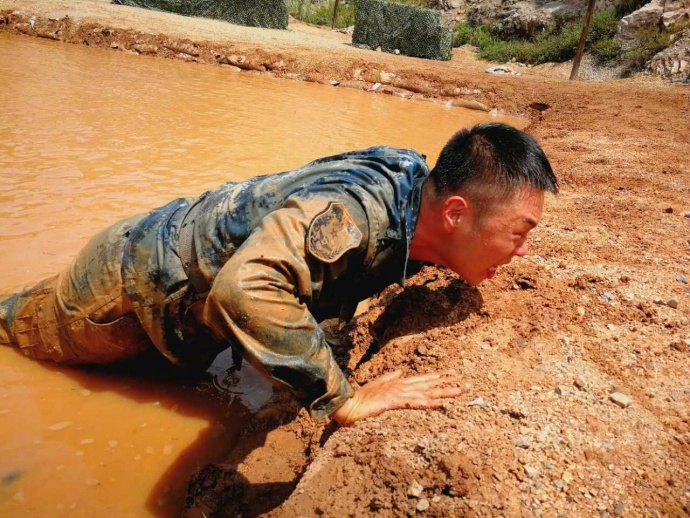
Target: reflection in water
<point x="88" y="136"/>
<point x="245" y="384"/>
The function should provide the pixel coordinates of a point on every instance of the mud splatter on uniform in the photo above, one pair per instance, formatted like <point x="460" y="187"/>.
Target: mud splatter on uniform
<point x="254" y="265"/>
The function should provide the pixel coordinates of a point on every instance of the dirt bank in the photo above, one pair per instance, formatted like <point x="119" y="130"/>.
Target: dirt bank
<point x="600" y="306"/>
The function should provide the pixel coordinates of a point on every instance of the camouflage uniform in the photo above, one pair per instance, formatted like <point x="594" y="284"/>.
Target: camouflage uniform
<point x="254" y="265"/>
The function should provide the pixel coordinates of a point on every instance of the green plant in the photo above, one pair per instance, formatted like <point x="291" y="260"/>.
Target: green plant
<point x="628" y="6"/>
<point x="606" y="50"/>
<point x="305" y="11"/>
<point x="649" y="43"/>
<point x="462" y="34"/>
<point x="604" y="24"/>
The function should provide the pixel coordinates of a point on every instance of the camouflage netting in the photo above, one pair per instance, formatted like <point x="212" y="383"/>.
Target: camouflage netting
<point x="414" y="31"/>
<point x="271" y="14"/>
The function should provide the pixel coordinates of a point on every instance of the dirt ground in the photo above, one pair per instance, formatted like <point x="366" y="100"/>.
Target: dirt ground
<point x="575" y="359"/>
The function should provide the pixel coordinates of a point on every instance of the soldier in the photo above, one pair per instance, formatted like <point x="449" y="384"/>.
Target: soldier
<point x="256" y="265"/>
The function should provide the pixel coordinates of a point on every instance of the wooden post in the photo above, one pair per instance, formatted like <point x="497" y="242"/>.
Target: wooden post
<point x="583" y="40"/>
<point x="335" y="13"/>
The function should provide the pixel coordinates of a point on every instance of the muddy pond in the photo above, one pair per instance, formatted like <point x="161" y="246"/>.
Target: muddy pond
<point x="88" y="136"/>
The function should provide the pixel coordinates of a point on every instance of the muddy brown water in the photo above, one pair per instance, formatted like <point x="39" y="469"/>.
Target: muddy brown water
<point x="88" y="136"/>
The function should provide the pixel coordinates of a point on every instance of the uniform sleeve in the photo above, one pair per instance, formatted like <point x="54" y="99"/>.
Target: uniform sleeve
<point x="260" y="299"/>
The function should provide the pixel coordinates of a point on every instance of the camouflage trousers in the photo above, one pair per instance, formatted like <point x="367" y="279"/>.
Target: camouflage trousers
<point x="82" y="315"/>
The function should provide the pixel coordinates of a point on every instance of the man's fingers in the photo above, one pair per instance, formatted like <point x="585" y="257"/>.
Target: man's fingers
<point x="444" y="392"/>
<point x="430" y="384"/>
<point x="390" y="376"/>
<point x="429" y="377"/>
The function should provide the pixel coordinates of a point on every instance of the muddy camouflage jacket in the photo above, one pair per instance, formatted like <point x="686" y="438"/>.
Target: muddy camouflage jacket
<point x="273" y="256"/>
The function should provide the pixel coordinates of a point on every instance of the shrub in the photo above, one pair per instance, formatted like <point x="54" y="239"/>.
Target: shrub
<point x="462" y="34"/>
<point x="649" y="43"/>
<point x="322" y="15"/>
<point x="606" y="50"/>
<point x="604" y="24"/>
<point x="628" y="6"/>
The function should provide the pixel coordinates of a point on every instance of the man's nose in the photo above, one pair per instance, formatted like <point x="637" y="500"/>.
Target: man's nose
<point x="521" y="250"/>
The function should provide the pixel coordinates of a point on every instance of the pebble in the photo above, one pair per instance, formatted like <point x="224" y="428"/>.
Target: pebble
<point x="477" y="402"/>
<point x="558" y="483"/>
<point x="668" y="210"/>
<point x="672" y="303"/>
<point x="521" y="342"/>
<point x="581" y="311"/>
<point x="59" y="426"/>
<point x="580" y="384"/>
<point x="567" y="477"/>
<point x="436" y="499"/>
<point x="415" y="490"/>
<point x="522" y="441"/>
<point x="680" y="346"/>
<point x="687" y="214"/>
<point x="620" y="399"/>
<point x="681" y="278"/>
<point x="423" y="505"/>
<point x="562" y="391"/>
<point x="87" y="441"/>
<point x="531" y="472"/>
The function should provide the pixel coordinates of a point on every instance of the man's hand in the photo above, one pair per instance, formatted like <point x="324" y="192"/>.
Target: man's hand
<point x="390" y="392"/>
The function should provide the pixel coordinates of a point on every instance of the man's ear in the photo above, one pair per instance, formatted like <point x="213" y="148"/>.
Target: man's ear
<point x="454" y="209"/>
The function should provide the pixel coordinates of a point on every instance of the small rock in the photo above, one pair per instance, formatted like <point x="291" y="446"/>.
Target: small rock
<point x="567" y="477"/>
<point x="531" y="472"/>
<point x="672" y="303"/>
<point x="581" y="311"/>
<point x="682" y="279"/>
<point x="415" y="490"/>
<point x="558" y="483"/>
<point x="477" y="402"/>
<point x="375" y="87"/>
<point x="521" y="342"/>
<point x="114" y="45"/>
<point x="523" y="441"/>
<point x="680" y="346"/>
<point x="436" y="499"/>
<point x="561" y="391"/>
<point x="386" y="77"/>
<point x="668" y="210"/>
<point x="580" y="384"/>
<point x="620" y="399"/>
<point x="59" y="426"/>
<point x="687" y="214"/>
<point x="620" y="507"/>
<point x="333" y="82"/>
<point x="423" y="505"/>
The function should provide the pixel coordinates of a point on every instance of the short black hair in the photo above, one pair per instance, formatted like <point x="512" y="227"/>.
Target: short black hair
<point x="492" y="157"/>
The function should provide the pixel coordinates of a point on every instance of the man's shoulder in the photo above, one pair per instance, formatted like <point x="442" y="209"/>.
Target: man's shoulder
<point x="376" y="153"/>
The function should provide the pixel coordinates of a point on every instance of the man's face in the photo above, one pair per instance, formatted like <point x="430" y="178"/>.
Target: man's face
<point x="479" y="243"/>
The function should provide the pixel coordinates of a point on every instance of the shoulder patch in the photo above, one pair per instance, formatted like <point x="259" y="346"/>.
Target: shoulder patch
<point x="332" y="233"/>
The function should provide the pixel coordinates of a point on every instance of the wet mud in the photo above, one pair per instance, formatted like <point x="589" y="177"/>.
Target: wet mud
<point x="599" y="307"/>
